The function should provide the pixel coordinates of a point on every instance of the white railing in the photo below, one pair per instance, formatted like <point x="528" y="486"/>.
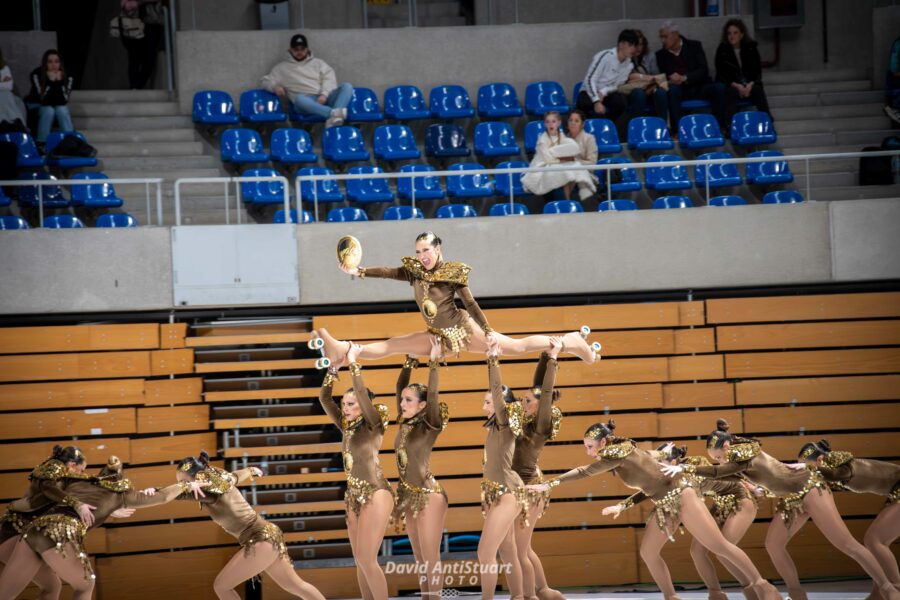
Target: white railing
<point x="236" y="181"/>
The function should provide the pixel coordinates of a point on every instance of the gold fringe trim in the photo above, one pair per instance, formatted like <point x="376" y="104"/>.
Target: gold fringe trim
<point x="491" y="492"/>
<point x="725" y="505"/>
<point x="837" y="458"/>
<point x="791" y="505"/>
<point x="535" y="497"/>
<point x="62" y="530"/>
<point x="454" y="339"/>
<point x="448" y="272"/>
<point x="220" y="480"/>
<point x="17" y="520"/>
<point x="743" y="452"/>
<point x="667" y="511"/>
<point x="412" y="499"/>
<point x="617" y="450"/>
<point x="359" y="492"/>
<point x="894" y="496"/>
<point x="270" y="533"/>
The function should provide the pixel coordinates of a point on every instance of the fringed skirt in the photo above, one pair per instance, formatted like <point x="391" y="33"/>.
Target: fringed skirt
<point x="61" y="530"/>
<point x="411" y="500"/>
<point x="359" y="493"/>
<point x="454" y="339"/>
<point x="894" y="496"/>
<point x="491" y="492"/>
<point x="791" y="505"/>
<point x="534" y="497"/>
<point x="269" y="532"/>
<point x="725" y="505"/>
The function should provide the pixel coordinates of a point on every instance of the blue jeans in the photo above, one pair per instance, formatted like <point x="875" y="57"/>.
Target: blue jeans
<point x="638" y="103"/>
<point x="338" y="98"/>
<point x="50" y="113"/>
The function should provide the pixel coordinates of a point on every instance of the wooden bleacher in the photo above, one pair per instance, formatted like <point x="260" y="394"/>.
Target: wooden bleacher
<point x="790" y="369"/>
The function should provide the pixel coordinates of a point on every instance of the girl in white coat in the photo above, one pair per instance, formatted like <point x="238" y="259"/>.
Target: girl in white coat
<point x="554" y="148"/>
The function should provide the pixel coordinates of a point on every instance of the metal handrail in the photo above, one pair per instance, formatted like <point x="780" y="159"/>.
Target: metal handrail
<point x="236" y="180"/>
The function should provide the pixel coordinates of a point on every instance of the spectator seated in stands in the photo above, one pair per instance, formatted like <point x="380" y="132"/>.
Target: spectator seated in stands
<point x="892" y="85"/>
<point x="684" y="64"/>
<point x="587" y="144"/>
<point x="12" y="110"/>
<point x="554" y="148"/>
<point x="646" y="80"/>
<point x="310" y="84"/>
<point x="739" y="69"/>
<point x="50" y="89"/>
<point x="608" y="70"/>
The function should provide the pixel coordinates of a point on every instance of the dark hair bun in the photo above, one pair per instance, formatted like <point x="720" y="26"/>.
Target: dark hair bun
<point x="611" y="425"/>
<point x="57" y="451"/>
<point x="114" y="461"/>
<point x="204" y="458"/>
<point x="824" y="445"/>
<point x="722" y="425"/>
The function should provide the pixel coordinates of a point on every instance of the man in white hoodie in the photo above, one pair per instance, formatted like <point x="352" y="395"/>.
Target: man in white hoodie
<point x="609" y="69"/>
<point x="309" y="83"/>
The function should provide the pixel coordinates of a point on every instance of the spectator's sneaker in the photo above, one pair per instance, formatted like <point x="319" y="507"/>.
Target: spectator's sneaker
<point x="338" y="115"/>
<point x="893" y="113"/>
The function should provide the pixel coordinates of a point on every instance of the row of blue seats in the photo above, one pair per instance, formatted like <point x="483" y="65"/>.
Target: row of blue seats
<point x="492" y="139"/>
<point x="88" y="195"/>
<point x="109" y="220"/>
<point x="30" y="158"/>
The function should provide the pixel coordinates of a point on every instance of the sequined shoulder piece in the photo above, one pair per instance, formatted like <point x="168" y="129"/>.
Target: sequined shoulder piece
<point x="516" y="416"/>
<point x="445" y="415"/>
<point x="448" y="272"/>
<point x="556" y="416"/>
<point x="743" y="452"/>
<point x="383" y="413"/>
<point x="697" y="461"/>
<point x="49" y="470"/>
<point x="220" y="480"/>
<point x="617" y="450"/>
<point x="118" y="486"/>
<point x="837" y="458"/>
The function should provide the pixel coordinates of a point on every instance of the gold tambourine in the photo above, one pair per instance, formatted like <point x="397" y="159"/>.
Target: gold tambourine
<point x="349" y="252"/>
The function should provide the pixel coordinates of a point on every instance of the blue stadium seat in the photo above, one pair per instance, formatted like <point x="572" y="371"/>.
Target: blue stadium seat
<point x="626" y="180"/>
<point x="505" y="209"/>
<point x="278" y="217"/>
<point x="469" y="186"/>
<point x="456" y="211"/>
<point x="325" y="190"/>
<point x="94" y="195"/>
<point x="699" y="131"/>
<point x="727" y="201"/>
<point x="512" y="183"/>
<point x="10" y="222"/>
<point x="4" y="199"/>
<point x="768" y="173"/>
<point x="697" y="104"/>
<point x="292" y="146"/>
<point x="214" y="107"/>
<point x="649" y="133"/>
<point x="395" y="142"/>
<point x="673" y="202"/>
<point x="576" y="89"/>
<point x="116" y="220"/>
<point x="463" y="543"/>
<point x="262" y="192"/>
<point x="666" y="178"/>
<point x="401" y="546"/>
<point x="752" y="128"/>
<point x="497" y="101"/>
<point x="604" y="131"/>
<point x="450" y="102"/>
<point x="29" y="195"/>
<point x="364" y="107"/>
<point x="783" y="197"/>
<point x="295" y="116"/>
<point x="563" y="206"/>
<point x="533" y="130"/>
<point x="66" y="162"/>
<point x="63" y="222"/>
<point x="261" y="106"/>
<point x="544" y="96"/>
<point x="444" y="141"/>
<point x="371" y="189"/>
<point x="616" y="205"/>
<point x="402" y="213"/>
<point x="344" y="144"/>
<point x="495" y="139"/>
<point x="28" y="156"/>
<point x="241" y="146"/>
<point x="427" y="187"/>
<point x="346" y="213"/>
<point x="405" y="103"/>
<point x="720" y="175"/>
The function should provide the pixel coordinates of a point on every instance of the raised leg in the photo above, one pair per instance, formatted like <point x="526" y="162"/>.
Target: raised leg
<point x="373" y="519"/>
<point x="70" y="570"/>
<point x="285" y="577"/>
<point x="497" y="522"/>
<point x="651" y="547"/>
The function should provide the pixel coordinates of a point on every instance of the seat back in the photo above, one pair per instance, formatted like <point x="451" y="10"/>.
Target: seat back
<point x="752" y="127"/>
<point x="445" y="140"/>
<point x="427" y="188"/>
<point x="498" y="99"/>
<point x="211" y="106"/>
<point x="576" y="89"/>
<point x="723" y="172"/>
<point x="672" y="202"/>
<point x="544" y="96"/>
<point x="55" y="137"/>
<point x="626" y="174"/>
<point x="291" y="143"/>
<point x="261" y="106"/>
<point x="370" y="189"/>
<point x="533" y="130"/>
<point x="52" y="194"/>
<point x="393" y="138"/>
<point x="278" y="217"/>
<point x="463" y="185"/>
<point x="238" y="142"/>
<point x="88" y="193"/>
<point x="116" y="220"/>
<point x="325" y="190"/>
<point x="727" y="201"/>
<point x="402" y="213"/>
<point x="604" y="132"/>
<point x="616" y="205"/>
<point x="346" y="213"/>
<point x="364" y="106"/>
<point x="262" y="191"/>
<point x="563" y="206"/>
<point x="63" y="222"/>
<point x="666" y="173"/>
<point x="341" y="141"/>
<point x="504" y="184"/>
<point x="699" y="130"/>
<point x="783" y="197"/>
<point x="648" y="130"/>
<point x="456" y="211"/>
<point x="450" y="101"/>
<point x="776" y="171"/>
<point x="505" y="209"/>
<point x="404" y="100"/>
<point x="495" y="135"/>
<point x="28" y="153"/>
<point x="9" y="222"/>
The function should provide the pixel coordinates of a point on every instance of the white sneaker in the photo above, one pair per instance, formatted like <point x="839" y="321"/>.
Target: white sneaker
<point x="338" y="115"/>
<point x="330" y="122"/>
<point x="893" y="113"/>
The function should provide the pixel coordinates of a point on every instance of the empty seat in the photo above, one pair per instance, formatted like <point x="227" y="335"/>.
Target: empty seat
<point x="261" y="106"/>
<point x="445" y="141"/>
<point x="346" y="213"/>
<point x="752" y="128"/>
<point x="604" y="131"/>
<point x="699" y="131"/>
<point x="52" y="195"/>
<point x="621" y="180"/>
<point x="563" y="206"/>
<point x="364" y="107"/>
<point x="649" y="133"/>
<point x="395" y="142"/>
<point x="783" y="197"/>
<point x="450" y="102"/>
<point x="402" y="213"/>
<point x="213" y="107"/>
<point x="296" y="116"/>
<point x="497" y="101"/>
<point x="241" y="146"/>
<point x="405" y="103"/>
<point x="63" y="222"/>
<point x="666" y="177"/>
<point x="533" y="130"/>
<point x="576" y="89"/>
<point x="506" y="209"/>
<point x="544" y="96"/>
<point x="9" y="222"/>
<point x="4" y="199"/>
<point x="427" y="187"/>
<point x="673" y="202"/>
<point x="720" y="175"/>
<point x="456" y="211"/>
<point x="615" y="205"/>
<point x="696" y="104"/>
<point x="506" y="185"/>
<point x="769" y="172"/>
<point x="325" y="190"/>
<point x="344" y="144"/>
<point x="370" y="189"/>
<point x="28" y="156"/>
<point x="278" y="217"/>
<point x="727" y="201"/>
<point x="495" y="139"/>
<point x="64" y="161"/>
<point x="469" y="186"/>
<point x="116" y="220"/>
<point x="262" y="192"/>
<point x="94" y="195"/>
<point x="292" y="146"/>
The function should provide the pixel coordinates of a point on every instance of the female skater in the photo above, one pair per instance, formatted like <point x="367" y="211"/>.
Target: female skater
<point x="369" y="497"/>
<point x="435" y="284"/>
<point x="421" y="501"/>
<point x="541" y="424"/>
<point x="676" y="501"/>
<point x="802" y="494"/>
<point x="262" y="543"/>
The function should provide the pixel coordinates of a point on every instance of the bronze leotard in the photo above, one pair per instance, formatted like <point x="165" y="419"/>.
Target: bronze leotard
<point x="45" y="490"/>
<point x="361" y="440"/>
<point x="862" y="475"/>
<point x="435" y="291"/>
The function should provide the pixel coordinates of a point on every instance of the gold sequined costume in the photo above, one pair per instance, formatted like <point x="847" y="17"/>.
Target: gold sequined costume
<point x="862" y="475"/>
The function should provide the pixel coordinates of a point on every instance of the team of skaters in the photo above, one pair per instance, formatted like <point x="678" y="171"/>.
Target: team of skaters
<point x="43" y="533"/>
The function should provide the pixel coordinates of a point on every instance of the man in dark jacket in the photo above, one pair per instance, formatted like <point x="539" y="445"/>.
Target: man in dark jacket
<point x="684" y="63"/>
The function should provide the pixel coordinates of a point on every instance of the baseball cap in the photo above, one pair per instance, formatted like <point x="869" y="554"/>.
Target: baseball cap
<point x="299" y="40"/>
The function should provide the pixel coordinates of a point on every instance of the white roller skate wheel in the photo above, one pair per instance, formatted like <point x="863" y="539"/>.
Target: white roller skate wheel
<point x="596" y="347"/>
<point x="315" y="343"/>
<point x="323" y="363"/>
<point x="584" y="331"/>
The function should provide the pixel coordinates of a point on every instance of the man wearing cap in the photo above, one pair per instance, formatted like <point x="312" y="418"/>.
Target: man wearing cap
<point x="309" y="83"/>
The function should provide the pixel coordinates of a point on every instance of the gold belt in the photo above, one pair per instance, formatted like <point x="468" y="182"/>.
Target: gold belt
<point x="455" y="338"/>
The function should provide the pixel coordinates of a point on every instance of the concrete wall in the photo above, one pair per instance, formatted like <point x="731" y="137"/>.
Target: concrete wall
<point x="96" y="270"/>
<point x="242" y="15"/>
<point x="22" y="51"/>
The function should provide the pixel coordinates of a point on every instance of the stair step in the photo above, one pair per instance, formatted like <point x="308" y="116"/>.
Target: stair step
<point x="832" y="125"/>
<point x="118" y="96"/>
<point x="826" y="112"/>
<point x="857" y="192"/>
<point x="115" y="149"/>
<point x="796" y="101"/>
<point x="872" y="137"/>
<point x="851" y="97"/>
<point x="157" y="166"/>
<point x="806" y="139"/>
<point x="853" y="85"/>
<point x="132" y="123"/>
<point x="816" y="76"/>
<point x="181" y="134"/>
<point x="829" y="179"/>
<point x="124" y="109"/>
